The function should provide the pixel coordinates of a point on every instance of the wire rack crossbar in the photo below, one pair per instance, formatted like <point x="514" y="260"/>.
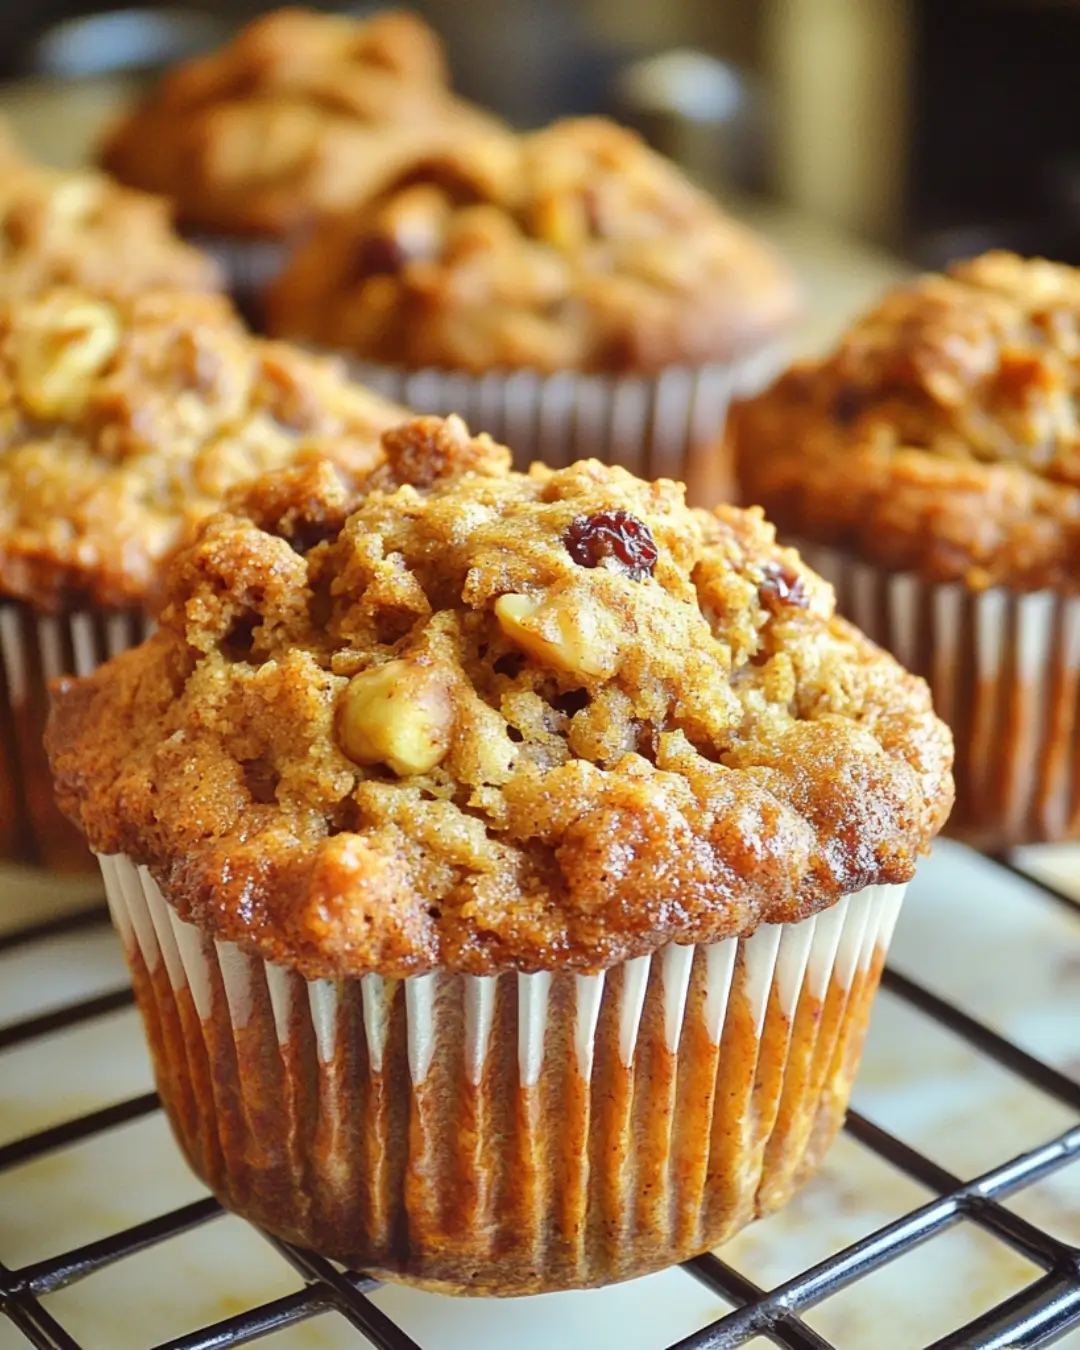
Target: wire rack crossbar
<point x="1035" y="1316"/>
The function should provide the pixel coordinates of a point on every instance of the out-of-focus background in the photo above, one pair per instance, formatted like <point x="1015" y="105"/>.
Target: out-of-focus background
<point x="933" y="127"/>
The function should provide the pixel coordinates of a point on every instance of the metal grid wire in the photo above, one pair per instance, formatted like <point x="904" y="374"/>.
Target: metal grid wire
<point x="1037" y="1315"/>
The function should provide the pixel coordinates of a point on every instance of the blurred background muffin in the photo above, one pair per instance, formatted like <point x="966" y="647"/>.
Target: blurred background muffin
<point x="568" y="289"/>
<point x="299" y="114"/>
<point x="930" y="467"/>
<point x="125" y="420"/>
<point x="80" y="228"/>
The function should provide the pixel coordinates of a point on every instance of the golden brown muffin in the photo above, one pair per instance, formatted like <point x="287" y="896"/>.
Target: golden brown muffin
<point x="941" y="436"/>
<point x="299" y="114"/>
<point x="592" y="815"/>
<point x="81" y="229"/>
<point x="121" y="423"/>
<point x="575" y="247"/>
<point x="455" y="700"/>
<point x="930" y="466"/>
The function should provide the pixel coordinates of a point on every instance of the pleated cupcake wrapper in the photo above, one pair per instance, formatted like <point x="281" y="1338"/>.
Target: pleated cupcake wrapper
<point x="248" y="266"/>
<point x="665" y="426"/>
<point x="34" y="649"/>
<point x="1004" y="671"/>
<point x="510" y="1133"/>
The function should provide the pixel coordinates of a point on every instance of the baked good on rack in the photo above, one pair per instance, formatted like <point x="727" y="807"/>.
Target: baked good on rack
<point x="933" y="460"/>
<point x="547" y="834"/>
<point x="299" y="114"/>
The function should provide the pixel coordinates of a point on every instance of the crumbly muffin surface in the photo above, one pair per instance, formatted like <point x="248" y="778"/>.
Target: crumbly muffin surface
<point x="943" y="433"/>
<point x="573" y="247"/>
<point x="301" y="113"/>
<point x="482" y="720"/>
<point x="81" y="229"/>
<point x="123" y="421"/>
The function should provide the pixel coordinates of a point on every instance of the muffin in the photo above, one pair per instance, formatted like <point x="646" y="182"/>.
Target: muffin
<point x="569" y="290"/>
<point x="505" y="862"/>
<point x="930" y="467"/>
<point x="122" y="422"/>
<point x="81" y="229"/>
<point x="301" y="113"/>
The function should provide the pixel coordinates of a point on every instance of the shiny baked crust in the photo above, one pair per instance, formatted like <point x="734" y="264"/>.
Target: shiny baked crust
<point x="573" y="247"/>
<point x="299" y="114"/>
<point x="679" y="757"/>
<point x="121" y="422"/>
<point x="82" y="229"/>
<point x="942" y="436"/>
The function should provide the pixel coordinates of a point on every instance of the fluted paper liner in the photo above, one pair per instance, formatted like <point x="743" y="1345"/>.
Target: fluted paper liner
<point x="668" y="425"/>
<point x="34" y="649"/>
<point x="1004" y="671"/>
<point x="513" y="1133"/>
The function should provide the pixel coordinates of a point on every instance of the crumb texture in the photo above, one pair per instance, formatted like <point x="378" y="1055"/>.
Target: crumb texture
<point x="299" y="114"/>
<point x="401" y="727"/>
<point x="124" y="421"/>
<point x="942" y="436"/>
<point x="81" y="229"/>
<point x="573" y="247"/>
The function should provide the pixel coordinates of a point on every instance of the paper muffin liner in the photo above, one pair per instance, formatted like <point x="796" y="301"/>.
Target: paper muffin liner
<point x="514" y="1133"/>
<point x="665" y="426"/>
<point x="248" y="266"/>
<point x="34" y="649"/>
<point x="1004" y="671"/>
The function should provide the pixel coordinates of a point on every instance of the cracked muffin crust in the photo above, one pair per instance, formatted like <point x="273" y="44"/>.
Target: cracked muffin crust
<point x="477" y="720"/>
<point x="574" y="247"/>
<point x="942" y="436"/>
<point x="299" y="114"/>
<point x="123" y="421"/>
<point x="81" y="229"/>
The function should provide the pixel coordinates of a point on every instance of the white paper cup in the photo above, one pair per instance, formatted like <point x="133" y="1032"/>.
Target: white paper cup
<point x="35" y="649"/>
<point x="1004" y="671"/>
<point x="514" y="1133"/>
<point x="664" y="426"/>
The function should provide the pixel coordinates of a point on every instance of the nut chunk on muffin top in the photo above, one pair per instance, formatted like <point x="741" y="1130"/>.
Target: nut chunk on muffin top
<point x="942" y="436"/>
<point x="121" y="422"/>
<point x="475" y="719"/>
<point x="300" y="113"/>
<point x="574" y="247"/>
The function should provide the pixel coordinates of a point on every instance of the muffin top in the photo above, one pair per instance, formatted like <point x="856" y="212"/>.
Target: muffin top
<point x="942" y="436"/>
<point x="300" y="113"/>
<point x="121" y="421"/>
<point x="474" y="719"/>
<point x="81" y="229"/>
<point x="575" y="247"/>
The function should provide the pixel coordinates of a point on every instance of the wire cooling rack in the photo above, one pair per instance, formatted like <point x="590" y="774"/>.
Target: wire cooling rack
<point x="1039" y="1314"/>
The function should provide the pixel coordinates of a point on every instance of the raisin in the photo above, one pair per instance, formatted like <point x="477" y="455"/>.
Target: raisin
<point x="782" y="586"/>
<point x="613" y="534"/>
<point x="848" y="404"/>
<point x="379" y="255"/>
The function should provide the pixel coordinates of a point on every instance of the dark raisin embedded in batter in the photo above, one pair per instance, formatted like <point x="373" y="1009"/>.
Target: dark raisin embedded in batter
<point x="782" y="587"/>
<point x="613" y="534"/>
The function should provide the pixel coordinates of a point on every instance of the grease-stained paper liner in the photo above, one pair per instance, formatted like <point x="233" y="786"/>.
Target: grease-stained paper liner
<point x="34" y="649"/>
<point x="664" y="426"/>
<point x="1004" y="671"/>
<point x="514" y="1133"/>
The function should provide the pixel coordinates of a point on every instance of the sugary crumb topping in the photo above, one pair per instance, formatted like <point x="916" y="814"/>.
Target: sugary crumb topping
<point x="943" y="433"/>
<point x="420" y="724"/>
